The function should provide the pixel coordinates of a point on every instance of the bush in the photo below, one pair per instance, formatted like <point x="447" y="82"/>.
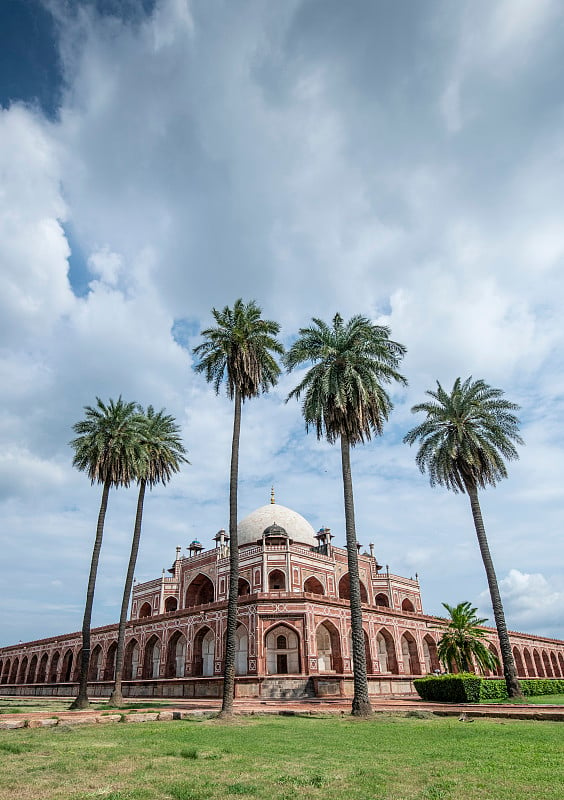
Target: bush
<point x="465" y="687"/>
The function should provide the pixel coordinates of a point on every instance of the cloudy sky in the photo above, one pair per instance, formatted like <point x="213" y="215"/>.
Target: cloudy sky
<point x="159" y="157"/>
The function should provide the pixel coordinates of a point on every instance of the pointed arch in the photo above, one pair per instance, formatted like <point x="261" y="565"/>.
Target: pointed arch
<point x="529" y="663"/>
<point x="145" y="611"/>
<point x="387" y="652"/>
<point x="382" y="599"/>
<point x="345" y="589"/>
<point x="538" y="664"/>
<point x="241" y="650"/>
<point x="329" y="656"/>
<point x="110" y="662"/>
<point x="430" y="654"/>
<point x="14" y="670"/>
<point x="204" y="652"/>
<point x="176" y="655"/>
<point x="276" y="581"/>
<point x="131" y="660"/>
<point x="244" y="587"/>
<point x="282" y="644"/>
<point x="519" y="666"/>
<point x="555" y="668"/>
<point x="498" y="671"/>
<point x="199" y="592"/>
<point x="95" y="665"/>
<point x="32" y="669"/>
<point x="42" y="669"/>
<point x="411" y="661"/>
<point x="171" y="604"/>
<point x="54" y="667"/>
<point x="152" y="658"/>
<point x="408" y="606"/>
<point x="22" y="670"/>
<point x="314" y="586"/>
<point x="546" y="664"/>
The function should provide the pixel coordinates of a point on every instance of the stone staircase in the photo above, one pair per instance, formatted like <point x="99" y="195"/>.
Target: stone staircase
<point x="287" y="688"/>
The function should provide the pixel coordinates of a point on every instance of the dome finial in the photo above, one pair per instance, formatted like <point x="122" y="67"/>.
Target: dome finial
<point x="272" y="500"/>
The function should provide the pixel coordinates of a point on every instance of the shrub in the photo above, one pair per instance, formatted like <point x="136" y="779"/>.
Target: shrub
<point x="468" y="688"/>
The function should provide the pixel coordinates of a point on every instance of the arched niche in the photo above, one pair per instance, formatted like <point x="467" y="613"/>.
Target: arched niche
<point x="110" y="664"/>
<point x="42" y="669"/>
<point x="538" y="664"/>
<point x="430" y="655"/>
<point x="411" y="662"/>
<point x="199" y="592"/>
<point x="131" y="660"/>
<point x="328" y="643"/>
<point x="243" y="587"/>
<point x="519" y="666"/>
<point x="22" y="670"/>
<point x="529" y="663"/>
<point x="152" y="658"/>
<point x="555" y="668"/>
<point x="387" y="652"/>
<point x="241" y="650"/>
<point x="176" y="655"/>
<point x="171" y="604"/>
<point x="54" y="667"/>
<point x="14" y="670"/>
<point x="95" y="665"/>
<point x="314" y="586"/>
<point x="68" y="663"/>
<point x="204" y="652"/>
<point x="382" y="599"/>
<point x="345" y="589"/>
<point x="498" y="670"/>
<point x="276" y="581"/>
<point x="145" y="611"/>
<point x="282" y="651"/>
<point x="546" y="664"/>
<point x="408" y="606"/>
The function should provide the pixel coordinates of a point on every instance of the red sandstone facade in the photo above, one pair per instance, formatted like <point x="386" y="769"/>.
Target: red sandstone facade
<point x="293" y="636"/>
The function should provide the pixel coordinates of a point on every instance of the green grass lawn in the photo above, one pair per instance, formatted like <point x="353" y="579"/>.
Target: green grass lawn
<point x="287" y="758"/>
<point x="533" y="700"/>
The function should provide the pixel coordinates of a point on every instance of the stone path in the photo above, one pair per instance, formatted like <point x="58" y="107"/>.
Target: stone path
<point x="182" y="709"/>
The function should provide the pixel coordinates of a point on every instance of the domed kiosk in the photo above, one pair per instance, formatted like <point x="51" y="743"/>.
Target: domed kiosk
<point x="273" y="516"/>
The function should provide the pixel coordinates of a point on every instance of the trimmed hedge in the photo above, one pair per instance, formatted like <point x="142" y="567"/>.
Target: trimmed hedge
<point x="465" y="687"/>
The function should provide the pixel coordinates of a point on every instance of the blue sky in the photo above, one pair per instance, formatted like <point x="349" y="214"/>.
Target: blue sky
<point x="403" y="161"/>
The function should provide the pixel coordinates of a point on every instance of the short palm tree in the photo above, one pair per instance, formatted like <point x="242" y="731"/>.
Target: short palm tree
<point x="239" y="350"/>
<point x="163" y="453"/>
<point x="345" y="399"/>
<point x="463" y="641"/>
<point x="108" y="448"/>
<point x="463" y="443"/>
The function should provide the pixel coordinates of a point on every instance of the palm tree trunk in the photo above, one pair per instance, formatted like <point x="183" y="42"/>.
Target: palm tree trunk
<point x="509" y="671"/>
<point x="229" y="661"/>
<point x="81" y="700"/>
<point x="361" y="703"/>
<point x="116" y="698"/>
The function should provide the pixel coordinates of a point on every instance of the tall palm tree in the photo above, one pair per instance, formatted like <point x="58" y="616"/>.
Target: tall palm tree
<point x="163" y="453"/>
<point x="463" y="443"/>
<point x="344" y="398"/>
<point x="108" y="449"/>
<point x="238" y="351"/>
<point x="462" y="642"/>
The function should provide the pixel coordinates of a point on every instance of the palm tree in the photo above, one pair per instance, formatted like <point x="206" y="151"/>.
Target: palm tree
<point x="163" y="453"/>
<point x="464" y="441"/>
<point x="462" y="642"/>
<point x="344" y="398"/>
<point x="238" y="351"/>
<point x="108" y="449"/>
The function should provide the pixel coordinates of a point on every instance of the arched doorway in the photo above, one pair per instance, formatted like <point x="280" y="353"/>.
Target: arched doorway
<point x="241" y="650"/>
<point x="519" y="663"/>
<point x="345" y="589"/>
<point x="314" y="586"/>
<point x="529" y="664"/>
<point x="381" y="599"/>
<point x="95" y="666"/>
<point x="243" y="588"/>
<point x="131" y="660"/>
<point x="328" y="648"/>
<point x="546" y="663"/>
<point x="282" y="651"/>
<point x="538" y="664"/>
<point x="42" y="670"/>
<point x="204" y="652"/>
<point x="152" y="658"/>
<point x="176" y="655"/>
<point x="411" y="662"/>
<point x="430" y="654"/>
<point x="14" y="670"/>
<point x="276" y="581"/>
<point x="145" y="611"/>
<point x="199" y="592"/>
<point x="555" y="668"/>
<point x="54" y="667"/>
<point x="23" y="670"/>
<point x="66" y="672"/>
<point x="171" y="604"/>
<point x="110" y="665"/>
<point x="387" y="652"/>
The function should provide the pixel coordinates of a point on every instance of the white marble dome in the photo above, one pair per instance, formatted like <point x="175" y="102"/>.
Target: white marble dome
<point x="251" y="528"/>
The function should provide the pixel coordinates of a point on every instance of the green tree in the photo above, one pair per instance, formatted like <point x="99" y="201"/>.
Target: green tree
<point x="238" y="351"/>
<point x="162" y="455"/>
<point x="345" y="399"/>
<point x="108" y="448"/>
<point x="463" y="641"/>
<point x="464" y="442"/>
